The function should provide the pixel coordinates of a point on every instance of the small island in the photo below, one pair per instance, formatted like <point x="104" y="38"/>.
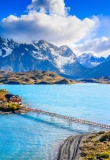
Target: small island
<point x="10" y="103"/>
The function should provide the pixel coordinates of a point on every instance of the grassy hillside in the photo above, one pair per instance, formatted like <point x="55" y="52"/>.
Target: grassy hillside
<point x="96" y="147"/>
<point x="34" y="77"/>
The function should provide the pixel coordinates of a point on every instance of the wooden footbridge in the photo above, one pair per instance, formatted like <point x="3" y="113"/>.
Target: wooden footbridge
<point x="71" y="119"/>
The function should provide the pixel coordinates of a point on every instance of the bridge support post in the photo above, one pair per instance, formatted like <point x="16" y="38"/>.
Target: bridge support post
<point x="52" y="119"/>
<point x="75" y="126"/>
<point x="38" y="114"/>
<point x="90" y="128"/>
<point x="69" y="122"/>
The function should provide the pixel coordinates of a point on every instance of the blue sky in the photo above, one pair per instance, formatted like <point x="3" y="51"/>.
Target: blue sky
<point x="83" y="25"/>
<point x="80" y="8"/>
<point x="88" y="8"/>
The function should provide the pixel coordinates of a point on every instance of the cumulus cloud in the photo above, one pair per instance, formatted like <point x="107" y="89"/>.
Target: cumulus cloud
<point x="51" y="6"/>
<point x="54" y="26"/>
<point x="49" y="20"/>
<point x="99" y="47"/>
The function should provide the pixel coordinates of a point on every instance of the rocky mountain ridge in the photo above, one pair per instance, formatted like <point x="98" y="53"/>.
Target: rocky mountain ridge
<point x="35" y="56"/>
<point x="41" y="55"/>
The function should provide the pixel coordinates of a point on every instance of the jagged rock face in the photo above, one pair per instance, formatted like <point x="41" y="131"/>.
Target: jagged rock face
<point x="89" y="60"/>
<point x="35" y="56"/>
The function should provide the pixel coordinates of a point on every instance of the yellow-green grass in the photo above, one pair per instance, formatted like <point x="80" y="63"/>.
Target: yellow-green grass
<point x="96" y="147"/>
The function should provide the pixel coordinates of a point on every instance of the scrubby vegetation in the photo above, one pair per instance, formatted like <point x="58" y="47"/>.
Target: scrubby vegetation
<point x="96" y="147"/>
<point x="9" y="106"/>
<point x="2" y="95"/>
<point x="105" y="137"/>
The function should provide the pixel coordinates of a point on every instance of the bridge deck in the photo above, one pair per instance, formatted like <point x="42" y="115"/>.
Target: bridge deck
<point x="71" y="119"/>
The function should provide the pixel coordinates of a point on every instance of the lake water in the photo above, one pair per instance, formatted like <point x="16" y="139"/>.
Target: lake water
<point x="32" y="137"/>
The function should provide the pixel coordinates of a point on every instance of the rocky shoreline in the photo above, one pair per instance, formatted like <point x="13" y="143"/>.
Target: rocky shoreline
<point x="23" y="110"/>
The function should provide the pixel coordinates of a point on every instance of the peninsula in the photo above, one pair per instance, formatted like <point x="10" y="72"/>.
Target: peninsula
<point x="10" y="103"/>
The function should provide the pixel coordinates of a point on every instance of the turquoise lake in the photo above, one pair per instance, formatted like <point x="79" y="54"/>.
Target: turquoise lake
<point x="32" y="137"/>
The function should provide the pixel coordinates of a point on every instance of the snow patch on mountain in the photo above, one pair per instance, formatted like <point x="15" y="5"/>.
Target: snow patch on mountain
<point x="60" y="59"/>
<point x="8" y="52"/>
<point x="5" y="52"/>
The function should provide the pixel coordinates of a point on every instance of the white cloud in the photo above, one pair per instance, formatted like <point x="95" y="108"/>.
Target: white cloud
<point x="56" y="26"/>
<point x="99" y="47"/>
<point x="51" y="6"/>
<point x="49" y="20"/>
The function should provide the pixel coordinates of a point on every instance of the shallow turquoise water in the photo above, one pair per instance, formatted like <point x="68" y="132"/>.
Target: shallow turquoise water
<point x="30" y="137"/>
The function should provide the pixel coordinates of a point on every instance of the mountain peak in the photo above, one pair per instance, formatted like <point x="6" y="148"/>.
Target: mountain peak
<point x="64" y="47"/>
<point x="87" y="55"/>
<point x="66" y="51"/>
<point x="89" y="60"/>
<point x="42" y="41"/>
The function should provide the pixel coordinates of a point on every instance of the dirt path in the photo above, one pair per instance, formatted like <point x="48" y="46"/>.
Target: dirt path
<point x="69" y="150"/>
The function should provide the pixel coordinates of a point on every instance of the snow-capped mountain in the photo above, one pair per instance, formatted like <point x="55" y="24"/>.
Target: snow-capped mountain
<point x="6" y="47"/>
<point x="89" y="60"/>
<point x="59" y="57"/>
<point x="36" y="56"/>
<point x="22" y="57"/>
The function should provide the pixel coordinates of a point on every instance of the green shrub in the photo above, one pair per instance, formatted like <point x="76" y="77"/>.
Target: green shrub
<point x="105" y="155"/>
<point x="83" y="154"/>
<point x="105" y="137"/>
<point x="12" y="107"/>
<point x="101" y="132"/>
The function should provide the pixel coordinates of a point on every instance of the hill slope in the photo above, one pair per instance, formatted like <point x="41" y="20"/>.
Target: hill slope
<point x="102" y="70"/>
<point x="34" y="77"/>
